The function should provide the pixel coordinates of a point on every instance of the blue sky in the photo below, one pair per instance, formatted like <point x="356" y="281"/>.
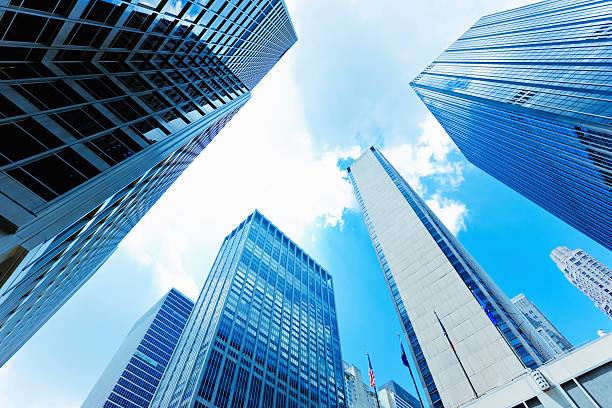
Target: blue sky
<point x="341" y="88"/>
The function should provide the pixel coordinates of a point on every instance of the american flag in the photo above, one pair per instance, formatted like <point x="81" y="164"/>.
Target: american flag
<point x="371" y="373"/>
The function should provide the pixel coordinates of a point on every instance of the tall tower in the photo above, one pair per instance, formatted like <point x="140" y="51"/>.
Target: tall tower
<point x="103" y="104"/>
<point x="132" y="376"/>
<point x="551" y="335"/>
<point x="263" y="332"/>
<point x="526" y="96"/>
<point x="593" y="278"/>
<point x="441" y="294"/>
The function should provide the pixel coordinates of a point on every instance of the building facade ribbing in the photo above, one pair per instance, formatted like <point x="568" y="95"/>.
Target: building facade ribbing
<point x="590" y="276"/>
<point x="526" y="95"/>
<point x="106" y="104"/>
<point x="553" y="337"/>
<point x="434" y="282"/>
<point x="132" y="376"/>
<point x="358" y="394"/>
<point x="263" y="332"/>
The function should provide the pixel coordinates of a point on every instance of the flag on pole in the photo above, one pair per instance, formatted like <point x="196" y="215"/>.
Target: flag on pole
<point x="404" y="358"/>
<point x="452" y="346"/>
<point x="405" y="361"/>
<point x="371" y="373"/>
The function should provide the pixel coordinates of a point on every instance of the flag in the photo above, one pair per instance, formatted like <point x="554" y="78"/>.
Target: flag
<point x="404" y="358"/>
<point x="371" y="373"/>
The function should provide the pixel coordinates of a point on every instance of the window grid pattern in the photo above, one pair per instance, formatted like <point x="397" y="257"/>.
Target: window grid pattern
<point x="418" y="358"/>
<point x="523" y="347"/>
<point x="50" y="275"/>
<point x="107" y="102"/>
<point x="105" y="79"/>
<point x="264" y="330"/>
<point x="139" y="380"/>
<point x="586" y="273"/>
<point x="526" y="95"/>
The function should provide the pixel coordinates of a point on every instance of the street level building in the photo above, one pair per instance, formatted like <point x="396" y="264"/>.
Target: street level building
<point x="358" y="393"/>
<point x="392" y="395"/>
<point x="553" y="337"/>
<point x="580" y="378"/>
<point x="441" y="294"/>
<point x="526" y="95"/>
<point x="263" y="332"/>
<point x="132" y="376"/>
<point x="103" y="104"/>
<point x="590" y="276"/>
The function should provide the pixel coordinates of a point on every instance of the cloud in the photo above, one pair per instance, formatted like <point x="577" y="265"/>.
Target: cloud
<point x="430" y="159"/>
<point x="452" y="213"/>
<point x="12" y="377"/>
<point x="276" y="169"/>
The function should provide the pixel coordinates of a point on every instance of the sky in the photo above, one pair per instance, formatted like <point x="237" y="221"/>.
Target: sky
<point x="342" y="87"/>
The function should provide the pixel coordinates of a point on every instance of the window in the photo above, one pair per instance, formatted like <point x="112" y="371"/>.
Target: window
<point x="597" y="384"/>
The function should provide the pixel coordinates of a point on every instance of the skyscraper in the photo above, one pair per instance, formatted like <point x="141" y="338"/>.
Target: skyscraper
<point x="358" y="394"/>
<point x="391" y="395"/>
<point x="263" y="332"/>
<point x="525" y="95"/>
<point x="104" y="104"/>
<point x="132" y="376"/>
<point x="551" y="335"/>
<point x="593" y="278"/>
<point x="465" y="336"/>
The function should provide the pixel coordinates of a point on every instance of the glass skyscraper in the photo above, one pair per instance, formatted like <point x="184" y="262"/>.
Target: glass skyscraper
<point x="441" y="294"/>
<point x="263" y="332"/>
<point x="103" y="104"/>
<point x="590" y="276"/>
<point x="526" y="96"/>
<point x="392" y="395"/>
<point x="132" y="376"/>
<point x="555" y="339"/>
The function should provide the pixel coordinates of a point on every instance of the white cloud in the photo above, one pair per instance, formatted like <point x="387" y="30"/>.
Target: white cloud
<point x="429" y="157"/>
<point x="263" y="159"/>
<point x="452" y="213"/>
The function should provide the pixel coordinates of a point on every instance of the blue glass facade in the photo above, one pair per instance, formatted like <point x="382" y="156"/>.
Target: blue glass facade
<point x="133" y="375"/>
<point x="263" y="332"/>
<point x="107" y="102"/>
<point x="475" y="279"/>
<point x="526" y="96"/>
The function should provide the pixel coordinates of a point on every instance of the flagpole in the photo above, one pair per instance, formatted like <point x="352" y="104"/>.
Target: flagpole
<point x="371" y="375"/>
<point x="410" y="371"/>
<point x="456" y="355"/>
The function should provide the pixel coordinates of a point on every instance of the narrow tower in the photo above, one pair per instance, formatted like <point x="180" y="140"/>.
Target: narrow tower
<point x="132" y="376"/>
<point x="465" y="335"/>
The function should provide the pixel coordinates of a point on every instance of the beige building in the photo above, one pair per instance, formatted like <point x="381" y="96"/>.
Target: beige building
<point x="441" y="294"/>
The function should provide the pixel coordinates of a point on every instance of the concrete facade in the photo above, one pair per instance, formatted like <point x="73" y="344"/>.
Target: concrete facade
<point x="580" y="378"/>
<point x="427" y="271"/>
<point x="358" y="393"/>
